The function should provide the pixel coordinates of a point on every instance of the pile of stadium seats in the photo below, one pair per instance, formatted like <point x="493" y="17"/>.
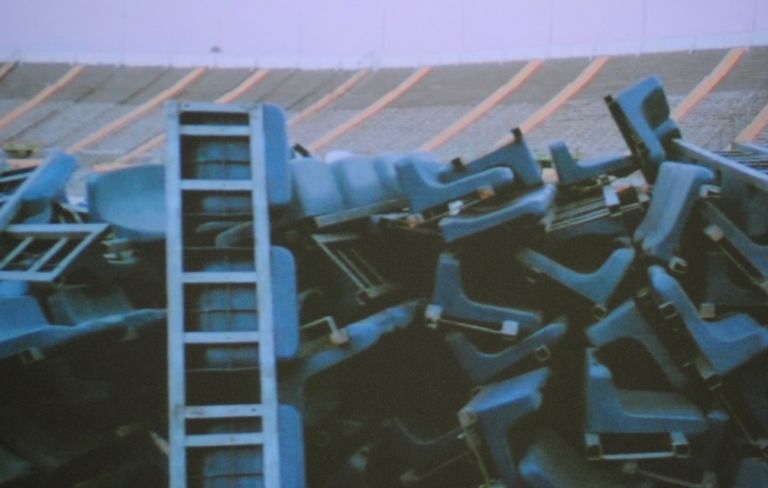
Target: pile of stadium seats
<point x="501" y="322"/>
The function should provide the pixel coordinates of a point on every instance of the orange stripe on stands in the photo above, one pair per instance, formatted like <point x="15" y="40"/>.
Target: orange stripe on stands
<point x="41" y="96"/>
<point x="135" y="153"/>
<point x="6" y="68"/>
<point x="159" y="139"/>
<point x="369" y="111"/>
<point x="571" y="89"/>
<point x="331" y="97"/>
<point x="709" y="82"/>
<point x="241" y="89"/>
<point x="758" y="125"/>
<point x="138" y="112"/>
<point x="483" y="107"/>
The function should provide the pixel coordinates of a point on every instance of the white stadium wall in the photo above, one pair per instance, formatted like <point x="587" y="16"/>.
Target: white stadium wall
<point x="352" y="33"/>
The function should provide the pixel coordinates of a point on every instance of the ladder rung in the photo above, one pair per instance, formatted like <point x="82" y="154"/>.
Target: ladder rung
<point x="215" y="440"/>
<point x="215" y="130"/>
<point x="217" y="185"/>
<point x="221" y="337"/>
<point x="223" y="411"/>
<point x="220" y="277"/>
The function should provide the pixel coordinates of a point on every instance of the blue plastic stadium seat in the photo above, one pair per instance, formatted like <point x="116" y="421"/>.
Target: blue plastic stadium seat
<point x="751" y="387"/>
<point x="292" y="470"/>
<point x="751" y="473"/>
<point x="346" y="189"/>
<point x="210" y="468"/>
<point x="515" y="155"/>
<point x="47" y="187"/>
<point x="453" y="302"/>
<point x="232" y="307"/>
<point x="131" y="200"/>
<point x="26" y="332"/>
<point x="499" y="407"/>
<point x="315" y="191"/>
<point x="664" y="424"/>
<point x="598" y="286"/>
<point x="385" y="167"/>
<point x="214" y="158"/>
<point x="610" y="410"/>
<point x="726" y="343"/>
<point x="721" y="290"/>
<point x="743" y="204"/>
<point x="362" y="336"/>
<point x="428" y="183"/>
<point x="626" y="322"/>
<point x="551" y="462"/>
<point x="276" y="151"/>
<point x="676" y="190"/>
<point x="481" y="367"/>
<point x="361" y="183"/>
<point x="573" y="172"/>
<point x="20" y="314"/>
<point x="533" y="206"/>
<point x="722" y="230"/>
<point x="224" y="203"/>
<point x="73" y="305"/>
<point x="219" y="160"/>
<point x="643" y="117"/>
<point x="13" y="288"/>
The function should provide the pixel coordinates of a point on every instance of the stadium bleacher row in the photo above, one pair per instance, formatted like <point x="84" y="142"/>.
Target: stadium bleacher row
<point x="109" y="113"/>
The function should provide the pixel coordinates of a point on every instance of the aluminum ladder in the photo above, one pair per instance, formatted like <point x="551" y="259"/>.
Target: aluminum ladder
<point x="205" y="189"/>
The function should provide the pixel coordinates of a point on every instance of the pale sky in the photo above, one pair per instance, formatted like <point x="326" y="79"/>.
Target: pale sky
<point x="367" y="32"/>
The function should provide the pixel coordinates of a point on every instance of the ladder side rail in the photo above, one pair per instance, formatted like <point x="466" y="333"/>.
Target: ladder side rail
<point x="175" y="296"/>
<point x="267" y="366"/>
